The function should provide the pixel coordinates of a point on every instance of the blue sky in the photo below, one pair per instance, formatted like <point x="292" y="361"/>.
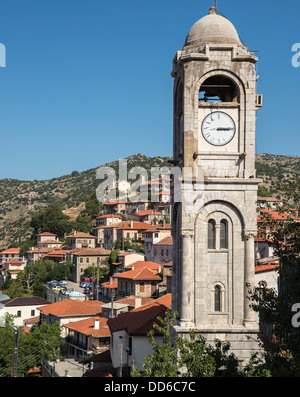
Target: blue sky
<point x="88" y="81"/>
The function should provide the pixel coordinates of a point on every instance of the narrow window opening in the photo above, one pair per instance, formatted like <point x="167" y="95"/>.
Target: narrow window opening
<point x="217" y="299"/>
<point x="224" y="234"/>
<point x="211" y="234"/>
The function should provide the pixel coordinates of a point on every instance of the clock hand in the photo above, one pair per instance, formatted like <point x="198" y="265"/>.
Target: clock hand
<point x="224" y="129"/>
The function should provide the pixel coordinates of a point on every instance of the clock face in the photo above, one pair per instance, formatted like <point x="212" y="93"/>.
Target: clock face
<point x="218" y="128"/>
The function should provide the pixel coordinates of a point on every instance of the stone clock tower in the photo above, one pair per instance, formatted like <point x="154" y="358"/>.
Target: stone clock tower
<point x="214" y="221"/>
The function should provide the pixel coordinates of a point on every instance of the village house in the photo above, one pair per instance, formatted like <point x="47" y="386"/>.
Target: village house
<point x="132" y="230"/>
<point x="110" y="234"/>
<point x="69" y="311"/>
<point x="269" y="202"/>
<point x="87" y="337"/>
<point x="10" y="253"/>
<point x="47" y="239"/>
<point x="136" y="206"/>
<point x="162" y="197"/>
<point x="140" y="281"/>
<point x="56" y="255"/>
<point x="81" y="258"/>
<point x="114" y="207"/>
<point x="105" y="220"/>
<point x="22" y="308"/>
<point x="162" y="250"/>
<point x="37" y="253"/>
<point x="125" y="259"/>
<point x="109" y="289"/>
<point x="152" y="236"/>
<point x="81" y="240"/>
<point x="101" y="223"/>
<point x="148" y="216"/>
<point x="11" y="268"/>
<point x="129" y="344"/>
<point x="99" y="366"/>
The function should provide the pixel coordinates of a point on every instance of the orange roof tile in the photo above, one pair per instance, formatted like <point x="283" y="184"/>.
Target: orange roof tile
<point x="81" y="235"/>
<point x="165" y="241"/>
<point x="147" y="212"/>
<point x="109" y="216"/>
<point x="140" y="320"/>
<point x="71" y="307"/>
<point x="140" y="264"/>
<point x="15" y="261"/>
<point x="266" y="267"/>
<point x="11" y="251"/>
<point x="46" y="234"/>
<point x="139" y="274"/>
<point x="135" y="226"/>
<point x="86" y="327"/>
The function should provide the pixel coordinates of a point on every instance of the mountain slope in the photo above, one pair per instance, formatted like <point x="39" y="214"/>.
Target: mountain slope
<point x="20" y="199"/>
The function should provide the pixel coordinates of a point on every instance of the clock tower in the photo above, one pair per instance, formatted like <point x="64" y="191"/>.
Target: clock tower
<point x="214" y="217"/>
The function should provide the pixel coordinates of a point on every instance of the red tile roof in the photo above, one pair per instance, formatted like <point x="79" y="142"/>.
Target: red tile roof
<point x="71" y="307"/>
<point x="14" y="262"/>
<point x="135" y="226"/>
<point x="140" y="264"/>
<point x="11" y="251"/>
<point x="140" y="321"/>
<point x="266" y="267"/>
<point x="147" y="212"/>
<point x="86" y="327"/>
<point x="165" y="241"/>
<point x="109" y="216"/>
<point x="141" y="273"/>
<point x="81" y="235"/>
<point x="46" y="234"/>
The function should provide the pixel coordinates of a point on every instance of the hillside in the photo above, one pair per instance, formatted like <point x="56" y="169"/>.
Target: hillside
<point x="20" y="199"/>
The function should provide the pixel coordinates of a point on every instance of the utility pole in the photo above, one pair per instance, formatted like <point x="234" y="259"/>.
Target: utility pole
<point x="15" y="355"/>
<point x="97" y="285"/>
<point x="112" y="303"/>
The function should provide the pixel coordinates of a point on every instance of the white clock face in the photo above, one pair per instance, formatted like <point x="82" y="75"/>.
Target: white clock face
<point x="218" y="128"/>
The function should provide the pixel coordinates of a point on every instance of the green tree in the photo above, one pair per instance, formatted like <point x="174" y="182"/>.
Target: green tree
<point x="125" y="244"/>
<point x="41" y="340"/>
<point x="163" y="361"/>
<point x="52" y="220"/>
<point x="281" y="346"/>
<point x="83" y="224"/>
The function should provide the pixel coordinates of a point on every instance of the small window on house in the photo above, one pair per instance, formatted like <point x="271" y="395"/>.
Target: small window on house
<point x="224" y="234"/>
<point x="217" y="299"/>
<point x="211" y="234"/>
<point x="19" y="313"/>
<point x="32" y="312"/>
<point x="142" y="287"/>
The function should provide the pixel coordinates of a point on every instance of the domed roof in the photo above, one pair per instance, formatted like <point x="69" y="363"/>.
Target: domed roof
<point x="212" y="28"/>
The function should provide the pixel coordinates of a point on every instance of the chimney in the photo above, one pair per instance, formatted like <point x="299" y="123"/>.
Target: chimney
<point x="138" y="301"/>
<point x="131" y="224"/>
<point x="96" y="322"/>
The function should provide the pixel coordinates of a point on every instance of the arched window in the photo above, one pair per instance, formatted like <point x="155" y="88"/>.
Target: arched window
<point x="211" y="234"/>
<point x="219" y="89"/>
<point x="217" y="298"/>
<point x="224" y="234"/>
